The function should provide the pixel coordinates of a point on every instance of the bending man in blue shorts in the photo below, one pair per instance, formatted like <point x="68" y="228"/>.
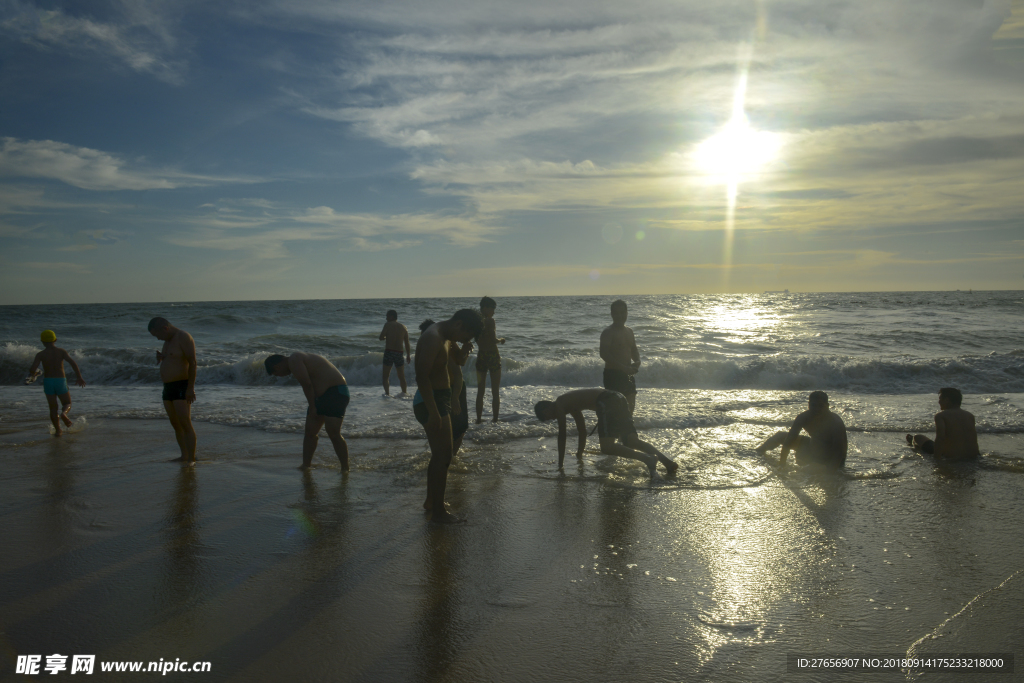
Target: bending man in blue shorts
<point x="614" y="423"/>
<point x="327" y="393"/>
<point x="55" y="383"/>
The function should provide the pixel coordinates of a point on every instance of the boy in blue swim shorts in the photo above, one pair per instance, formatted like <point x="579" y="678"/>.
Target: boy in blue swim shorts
<point x="55" y="383"/>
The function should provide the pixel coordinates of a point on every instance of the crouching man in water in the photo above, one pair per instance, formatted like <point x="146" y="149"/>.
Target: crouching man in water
<point x="955" y="435"/>
<point x="826" y="444"/>
<point x="614" y="422"/>
<point x="432" y="404"/>
<point x="327" y="393"/>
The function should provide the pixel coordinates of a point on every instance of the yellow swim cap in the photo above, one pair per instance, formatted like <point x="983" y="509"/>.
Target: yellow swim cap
<point x="48" y="336"/>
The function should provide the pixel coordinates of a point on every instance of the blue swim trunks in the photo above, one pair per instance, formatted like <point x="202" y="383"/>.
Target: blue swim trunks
<point x="333" y="402"/>
<point x="55" y="386"/>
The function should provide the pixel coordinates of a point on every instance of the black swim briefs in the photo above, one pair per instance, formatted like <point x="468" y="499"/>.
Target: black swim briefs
<point x="613" y="418"/>
<point x="443" y="399"/>
<point x="333" y="402"/>
<point x="176" y="391"/>
<point x="394" y="358"/>
<point x="617" y="380"/>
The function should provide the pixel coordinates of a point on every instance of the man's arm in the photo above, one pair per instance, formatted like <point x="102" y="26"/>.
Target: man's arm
<point x="298" y="369"/>
<point x="561" y="439"/>
<point x="408" y="348"/>
<point x="634" y="354"/>
<point x="74" y="366"/>
<point x="794" y="434"/>
<point x="426" y="352"/>
<point x="188" y="350"/>
<point x="384" y="332"/>
<point x="581" y="427"/>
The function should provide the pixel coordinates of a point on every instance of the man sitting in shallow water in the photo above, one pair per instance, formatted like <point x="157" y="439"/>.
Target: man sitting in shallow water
<point x="614" y="422"/>
<point x="826" y="444"/>
<point x="327" y="393"/>
<point x="955" y="435"/>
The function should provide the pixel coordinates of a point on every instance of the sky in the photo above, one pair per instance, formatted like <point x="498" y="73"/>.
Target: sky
<point x="309" y="149"/>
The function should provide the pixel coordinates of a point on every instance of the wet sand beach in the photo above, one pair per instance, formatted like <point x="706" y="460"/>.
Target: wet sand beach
<point x="269" y="573"/>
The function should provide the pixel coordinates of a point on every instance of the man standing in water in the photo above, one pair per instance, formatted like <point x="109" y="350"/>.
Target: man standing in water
<point x="327" y="393"/>
<point x="826" y="444"/>
<point x="178" y="371"/>
<point x="432" y="403"/>
<point x="395" y="335"/>
<point x="620" y="355"/>
<point x="488" y="361"/>
<point x="955" y="435"/>
<point x="614" y="423"/>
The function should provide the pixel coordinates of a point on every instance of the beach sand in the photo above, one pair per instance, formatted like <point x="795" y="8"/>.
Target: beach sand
<point x="271" y="574"/>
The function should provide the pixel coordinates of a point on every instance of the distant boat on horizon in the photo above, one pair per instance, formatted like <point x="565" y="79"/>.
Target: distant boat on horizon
<point x="770" y="291"/>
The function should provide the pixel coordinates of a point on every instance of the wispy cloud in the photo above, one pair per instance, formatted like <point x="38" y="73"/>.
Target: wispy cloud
<point x="135" y="34"/>
<point x="89" y="169"/>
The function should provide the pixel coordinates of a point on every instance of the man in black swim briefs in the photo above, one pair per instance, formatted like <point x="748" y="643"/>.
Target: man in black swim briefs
<point x="327" y="393"/>
<point x="620" y="355"/>
<point x="177" y="361"/>
<point x="614" y="424"/>
<point x="826" y="445"/>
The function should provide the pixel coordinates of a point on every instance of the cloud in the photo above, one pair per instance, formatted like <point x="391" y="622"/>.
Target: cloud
<point x="136" y="34"/>
<point x="57" y="267"/>
<point x="89" y="169"/>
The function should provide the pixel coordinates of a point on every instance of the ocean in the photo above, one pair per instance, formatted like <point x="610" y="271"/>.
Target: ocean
<point x="591" y="573"/>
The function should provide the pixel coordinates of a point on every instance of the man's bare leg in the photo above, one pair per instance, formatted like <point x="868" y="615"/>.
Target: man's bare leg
<point x="387" y="380"/>
<point x="182" y="425"/>
<point x="774" y="441"/>
<point x="481" y="386"/>
<point x="310" y="438"/>
<point x="610" y="447"/>
<point x="670" y="466"/>
<point x="51" y="399"/>
<point x="440" y="440"/>
<point x="631" y="400"/>
<point x="495" y="397"/>
<point x="332" y="425"/>
<point x="401" y="380"/>
<point x="65" y="401"/>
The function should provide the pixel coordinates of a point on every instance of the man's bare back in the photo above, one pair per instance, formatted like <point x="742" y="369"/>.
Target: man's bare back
<point x="618" y="349"/>
<point x="395" y="336"/>
<point x="321" y="372"/>
<point x="955" y="434"/>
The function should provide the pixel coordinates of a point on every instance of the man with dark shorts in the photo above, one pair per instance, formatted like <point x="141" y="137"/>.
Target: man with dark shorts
<point x="432" y="403"/>
<point x="956" y="437"/>
<point x="177" y="362"/>
<point x="395" y="335"/>
<point x="827" y="442"/>
<point x="620" y="355"/>
<point x="614" y="423"/>
<point x="327" y="393"/>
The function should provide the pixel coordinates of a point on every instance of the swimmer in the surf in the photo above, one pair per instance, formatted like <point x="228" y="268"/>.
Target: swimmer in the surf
<point x="327" y="394"/>
<point x="620" y="355"/>
<point x="955" y="435"/>
<point x="432" y="404"/>
<point x="614" y="424"/>
<point x="55" y="382"/>
<point x="827" y="442"/>
<point x="395" y="335"/>
<point x="177" y="362"/>
<point x="488" y="361"/>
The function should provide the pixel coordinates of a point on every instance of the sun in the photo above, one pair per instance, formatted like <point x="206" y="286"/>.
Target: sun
<point x="737" y="151"/>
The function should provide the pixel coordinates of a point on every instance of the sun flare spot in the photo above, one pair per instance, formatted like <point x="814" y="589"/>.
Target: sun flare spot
<point x="737" y="151"/>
